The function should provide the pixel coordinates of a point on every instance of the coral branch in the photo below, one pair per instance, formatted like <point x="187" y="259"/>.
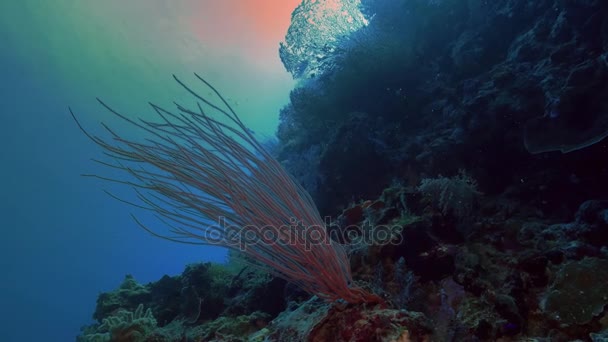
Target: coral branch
<point x="211" y="182"/>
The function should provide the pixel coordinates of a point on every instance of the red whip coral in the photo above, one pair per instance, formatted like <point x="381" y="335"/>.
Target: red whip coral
<point x="211" y="182"/>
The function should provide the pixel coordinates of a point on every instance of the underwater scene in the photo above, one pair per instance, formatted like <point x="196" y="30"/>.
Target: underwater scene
<point x="304" y="170"/>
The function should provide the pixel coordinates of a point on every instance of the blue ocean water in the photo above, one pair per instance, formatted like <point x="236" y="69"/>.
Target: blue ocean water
<point x="64" y="240"/>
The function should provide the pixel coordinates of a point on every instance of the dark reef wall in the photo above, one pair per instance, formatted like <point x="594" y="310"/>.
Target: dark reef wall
<point x="499" y="88"/>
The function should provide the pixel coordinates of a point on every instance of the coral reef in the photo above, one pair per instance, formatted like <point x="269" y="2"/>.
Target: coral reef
<point x="458" y="148"/>
<point x="494" y="279"/>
